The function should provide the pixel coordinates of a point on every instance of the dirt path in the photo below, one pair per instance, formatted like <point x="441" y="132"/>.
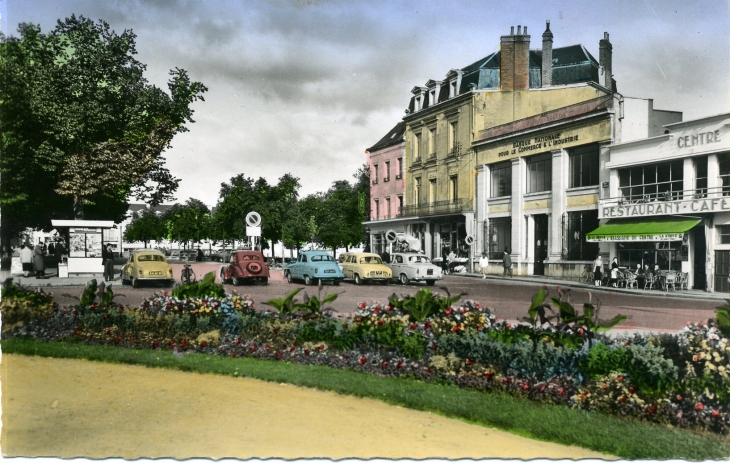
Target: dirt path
<point x="73" y="408"/>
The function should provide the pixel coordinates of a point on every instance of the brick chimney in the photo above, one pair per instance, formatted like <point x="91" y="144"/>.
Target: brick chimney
<point x="547" y="56"/>
<point x="515" y="57"/>
<point x="605" y="57"/>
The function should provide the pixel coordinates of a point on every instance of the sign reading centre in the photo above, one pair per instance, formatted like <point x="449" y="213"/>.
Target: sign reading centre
<point x="606" y="211"/>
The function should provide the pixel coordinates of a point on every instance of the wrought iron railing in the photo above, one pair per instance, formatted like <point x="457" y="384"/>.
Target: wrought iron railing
<point x="675" y="195"/>
<point x="438" y="207"/>
<point x="455" y="150"/>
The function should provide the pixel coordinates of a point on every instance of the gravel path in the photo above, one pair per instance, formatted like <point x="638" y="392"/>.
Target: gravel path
<point x="74" y="408"/>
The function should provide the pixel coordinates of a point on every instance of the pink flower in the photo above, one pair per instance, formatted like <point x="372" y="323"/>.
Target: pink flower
<point x="699" y="407"/>
<point x="363" y="360"/>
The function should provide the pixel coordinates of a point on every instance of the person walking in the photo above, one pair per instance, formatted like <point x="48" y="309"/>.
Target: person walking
<point x="26" y="259"/>
<point x="38" y="264"/>
<point x="507" y="264"/>
<point x="385" y="257"/>
<point x="483" y="264"/>
<point x="107" y="259"/>
<point x="597" y="270"/>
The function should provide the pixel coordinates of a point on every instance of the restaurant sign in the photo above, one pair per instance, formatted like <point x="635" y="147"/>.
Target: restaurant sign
<point x="693" y="206"/>
<point x="621" y="238"/>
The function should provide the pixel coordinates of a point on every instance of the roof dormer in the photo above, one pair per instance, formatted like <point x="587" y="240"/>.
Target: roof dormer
<point x="434" y="87"/>
<point x="419" y="97"/>
<point x="453" y="77"/>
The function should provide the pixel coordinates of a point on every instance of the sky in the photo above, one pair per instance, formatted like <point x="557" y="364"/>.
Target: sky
<point x="305" y="87"/>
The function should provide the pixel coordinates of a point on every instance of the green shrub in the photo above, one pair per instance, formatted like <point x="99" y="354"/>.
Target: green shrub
<point x="207" y="287"/>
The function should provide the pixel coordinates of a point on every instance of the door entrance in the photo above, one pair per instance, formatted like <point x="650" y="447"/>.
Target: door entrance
<point x="699" y="257"/>
<point x="541" y="248"/>
<point x="722" y="271"/>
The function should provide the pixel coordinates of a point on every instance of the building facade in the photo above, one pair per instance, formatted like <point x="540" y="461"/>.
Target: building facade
<point x="669" y="202"/>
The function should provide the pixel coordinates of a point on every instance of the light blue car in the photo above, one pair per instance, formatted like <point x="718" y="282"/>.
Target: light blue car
<point x="314" y="266"/>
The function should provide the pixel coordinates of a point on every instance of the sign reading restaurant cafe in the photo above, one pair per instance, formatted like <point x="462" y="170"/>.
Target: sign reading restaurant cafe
<point x="688" y="206"/>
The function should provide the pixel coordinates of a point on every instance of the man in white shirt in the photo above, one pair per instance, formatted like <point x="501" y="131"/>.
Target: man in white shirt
<point x="483" y="264"/>
<point x="26" y="259"/>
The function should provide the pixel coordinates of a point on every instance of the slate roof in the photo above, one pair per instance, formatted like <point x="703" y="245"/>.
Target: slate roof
<point x="393" y="137"/>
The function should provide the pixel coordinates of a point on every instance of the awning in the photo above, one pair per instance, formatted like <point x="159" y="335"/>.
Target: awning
<point x="647" y="230"/>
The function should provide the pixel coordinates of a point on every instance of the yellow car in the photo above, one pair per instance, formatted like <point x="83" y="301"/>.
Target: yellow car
<point x="146" y="265"/>
<point x="364" y="266"/>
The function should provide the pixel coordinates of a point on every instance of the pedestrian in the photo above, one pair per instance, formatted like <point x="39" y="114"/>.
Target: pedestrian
<point x="597" y="270"/>
<point x="614" y="276"/>
<point x="107" y="259"/>
<point x="199" y="257"/>
<point x="51" y="249"/>
<point x="483" y="264"/>
<point x="450" y="261"/>
<point x="614" y="263"/>
<point x="38" y="264"/>
<point x="26" y="259"/>
<point x="507" y="263"/>
<point x="59" y="251"/>
<point x="385" y="256"/>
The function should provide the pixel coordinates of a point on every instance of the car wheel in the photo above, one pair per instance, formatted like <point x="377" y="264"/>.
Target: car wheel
<point x="430" y="282"/>
<point x="403" y="279"/>
<point x="308" y="280"/>
<point x="358" y="280"/>
<point x="265" y="281"/>
<point x="236" y="281"/>
<point x="385" y="282"/>
<point x="135" y="283"/>
<point x="336" y="283"/>
<point x="124" y="281"/>
<point x="289" y="278"/>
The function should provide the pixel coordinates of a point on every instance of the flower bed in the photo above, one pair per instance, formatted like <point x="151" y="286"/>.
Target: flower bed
<point x="556" y="356"/>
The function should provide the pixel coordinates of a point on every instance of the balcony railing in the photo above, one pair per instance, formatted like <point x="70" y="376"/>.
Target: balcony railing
<point x="662" y="196"/>
<point x="438" y="207"/>
<point x="455" y="150"/>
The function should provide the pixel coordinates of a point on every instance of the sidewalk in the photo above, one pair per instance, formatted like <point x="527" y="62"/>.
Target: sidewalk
<point x="550" y="281"/>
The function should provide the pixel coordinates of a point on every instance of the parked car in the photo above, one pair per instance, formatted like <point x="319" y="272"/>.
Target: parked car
<point x="364" y="266"/>
<point x="314" y="266"/>
<point x="410" y="266"/>
<point x="183" y="254"/>
<point x="146" y="265"/>
<point x="245" y="266"/>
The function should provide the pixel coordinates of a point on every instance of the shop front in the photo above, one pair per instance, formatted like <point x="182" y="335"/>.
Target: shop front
<point x="85" y="239"/>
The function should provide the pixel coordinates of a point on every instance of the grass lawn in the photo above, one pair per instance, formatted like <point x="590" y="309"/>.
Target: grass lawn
<point x="624" y="438"/>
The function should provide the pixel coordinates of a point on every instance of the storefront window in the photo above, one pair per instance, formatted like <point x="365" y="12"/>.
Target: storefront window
<point x="724" y="161"/>
<point x="656" y="182"/>
<point x="700" y="177"/>
<point x="85" y="242"/>
<point x="584" y="166"/>
<point x="500" y="237"/>
<point x="501" y="179"/>
<point x="575" y="227"/>
<point x="723" y="234"/>
<point x="668" y="254"/>
<point x="539" y="173"/>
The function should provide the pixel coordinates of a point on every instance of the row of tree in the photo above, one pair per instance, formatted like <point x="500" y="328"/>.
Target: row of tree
<point x="332" y="219"/>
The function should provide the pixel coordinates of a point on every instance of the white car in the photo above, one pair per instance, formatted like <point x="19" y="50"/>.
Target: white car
<point x="410" y="266"/>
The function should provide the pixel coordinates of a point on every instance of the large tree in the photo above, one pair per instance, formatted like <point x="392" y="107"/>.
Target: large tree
<point x="146" y="226"/>
<point x="72" y="101"/>
<point x="188" y="222"/>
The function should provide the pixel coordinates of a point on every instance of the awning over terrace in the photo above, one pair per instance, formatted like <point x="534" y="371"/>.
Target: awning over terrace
<point x="645" y="230"/>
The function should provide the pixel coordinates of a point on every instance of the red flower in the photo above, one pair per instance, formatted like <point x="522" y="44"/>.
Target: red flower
<point x="449" y="311"/>
<point x="117" y="340"/>
<point x="542" y="387"/>
<point x="380" y="322"/>
<point x="238" y="340"/>
<point x="266" y="347"/>
<point x="278" y="355"/>
<point x="388" y="308"/>
<point x="456" y="328"/>
<point x="362" y="305"/>
<point x="605" y="386"/>
<point x="525" y="386"/>
<point x="171" y="344"/>
<point x="377" y="310"/>
<point x="363" y="360"/>
<point x="505" y="380"/>
<point x="252" y="348"/>
<point x="164" y="293"/>
<point x="92" y="306"/>
<point x="679" y="398"/>
<point x="619" y="378"/>
<point x="699" y="407"/>
<point x="464" y="310"/>
<point x="469" y="361"/>
<point x="121" y="310"/>
<point x="320" y="347"/>
<point x="427" y="325"/>
<point x="306" y="351"/>
<point x="651" y="410"/>
<point x="478" y="306"/>
<point x="399" y="365"/>
<point x="414" y="326"/>
<point x="479" y="327"/>
<point x="108" y="332"/>
<point x="384" y="364"/>
<point x="203" y="344"/>
<point x="359" y="320"/>
<point x="434" y="346"/>
<point x="561" y="391"/>
<point x="632" y="389"/>
<point x="154" y="344"/>
<point x="581" y="331"/>
<point x="508" y="326"/>
<point x="488" y="375"/>
<point x="622" y="399"/>
<point x="292" y="348"/>
<point x="715" y="413"/>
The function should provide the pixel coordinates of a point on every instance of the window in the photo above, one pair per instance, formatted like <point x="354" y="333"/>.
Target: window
<point x="501" y="179"/>
<point x="575" y="227"/>
<point x="431" y="190"/>
<point x="387" y="171"/>
<point x="417" y="191"/>
<point x="399" y="212"/>
<point x="375" y="174"/>
<point x="654" y="182"/>
<point x="377" y="209"/>
<point x="399" y="164"/>
<point x="452" y="89"/>
<point x="499" y="237"/>
<point x="416" y="146"/>
<point x="723" y="234"/>
<point x="453" y="134"/>
<point x="700" y="177"/>
<point x="432" y="142"/>
<point x="539" y="173"/>
<point x="453" y="188"/>
<point x="387" y="208"/>
<point x="724" y="161"/>
<point x="433" y="97"/>
<point x="584" y="162"/>
<point x="419" y="103"/>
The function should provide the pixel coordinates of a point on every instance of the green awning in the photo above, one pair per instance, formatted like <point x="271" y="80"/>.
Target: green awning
<point x="646" y="230"/>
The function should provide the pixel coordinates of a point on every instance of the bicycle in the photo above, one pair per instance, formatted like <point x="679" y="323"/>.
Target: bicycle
<point x="187" y="276"/>
<point x="587" y="275"/>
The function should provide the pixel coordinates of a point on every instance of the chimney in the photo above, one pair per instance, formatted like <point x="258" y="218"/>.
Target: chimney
<point x="547" y="56"/>
<point x="605" y="57"/>
<point x="515" y="60"/>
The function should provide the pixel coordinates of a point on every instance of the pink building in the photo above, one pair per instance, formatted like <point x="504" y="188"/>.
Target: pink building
<point x="387" y="177"/>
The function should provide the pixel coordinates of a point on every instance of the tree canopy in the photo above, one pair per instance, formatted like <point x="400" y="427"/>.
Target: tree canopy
<point x="71" y="101"/>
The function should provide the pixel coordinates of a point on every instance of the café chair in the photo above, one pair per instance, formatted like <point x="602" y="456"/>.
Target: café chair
<point x="670" y="279"/>
<point x="630" y="280"/>
<point x="650" y="281"/>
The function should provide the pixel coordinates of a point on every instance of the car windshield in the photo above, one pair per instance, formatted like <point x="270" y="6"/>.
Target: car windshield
<point x="248" y="257"/>
<point x="322" y="258"/>
<point x="418" y="259"/>
<point x="371" y="260"/>
<point x="150" y="258"/>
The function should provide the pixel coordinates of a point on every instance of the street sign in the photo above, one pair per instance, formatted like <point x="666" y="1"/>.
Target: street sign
<point x="253" y="219"/>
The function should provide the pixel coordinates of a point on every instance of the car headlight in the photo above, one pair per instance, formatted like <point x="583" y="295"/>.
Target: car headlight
<point x="140" y="272"/>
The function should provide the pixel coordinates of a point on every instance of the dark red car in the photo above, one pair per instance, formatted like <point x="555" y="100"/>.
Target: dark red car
<point x="245" y="266"/>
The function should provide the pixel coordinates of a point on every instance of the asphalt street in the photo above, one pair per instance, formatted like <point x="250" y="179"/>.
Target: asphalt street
<point x="509" y="299"/>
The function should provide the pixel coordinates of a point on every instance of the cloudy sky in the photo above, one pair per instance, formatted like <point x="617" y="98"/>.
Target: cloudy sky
<point x="306" y="86"/>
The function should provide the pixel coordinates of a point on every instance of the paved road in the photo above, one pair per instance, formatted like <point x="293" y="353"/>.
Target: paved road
<point x="508" y="298"/>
